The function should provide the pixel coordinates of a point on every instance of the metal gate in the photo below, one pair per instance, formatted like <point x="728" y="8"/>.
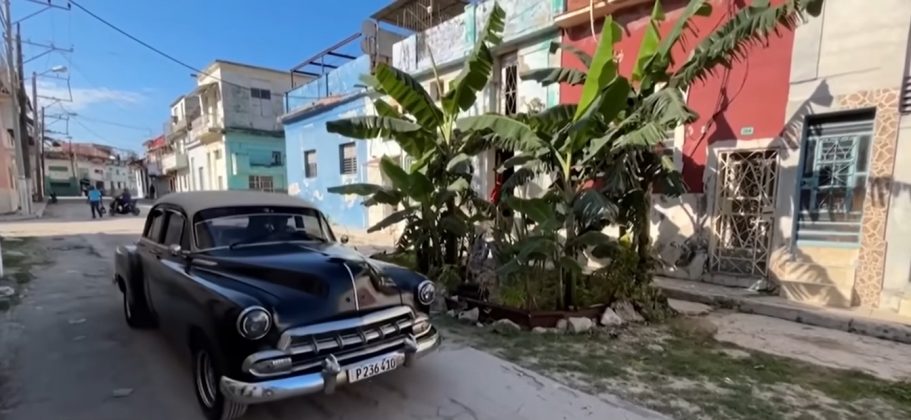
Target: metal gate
<point x="744" y="210"/>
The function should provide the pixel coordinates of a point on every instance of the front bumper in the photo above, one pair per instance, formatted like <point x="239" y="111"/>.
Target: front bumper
<point x="325" y="381"/>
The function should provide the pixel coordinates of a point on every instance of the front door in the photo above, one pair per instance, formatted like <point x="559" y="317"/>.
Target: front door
<point x="746" y="185"/>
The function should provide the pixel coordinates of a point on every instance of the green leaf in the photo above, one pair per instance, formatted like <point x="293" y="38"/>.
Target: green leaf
<point x="647" y="136"/>
<point x="385" y="196"/>
<point x="553" y="118"/>
<point x="592" y="238"/>
<point x="517" y="160"/>
<point x="550" y="75"/>
<point x="410" y="95"/>
<point x="420" y="186"/>
<point x="583" y="56"/>
<point x="694" y="8"/>
<point x="478" y="66"/>
<point x="355" y="189"/>
<point x="370" y="127"/>
<point x="457" y="161"/>
<point x="391" y="220"/>
<point x="458" y="185"/>
<point x="592" y="206"/>
<point x="509" y="133"/>
<point x="399" y="178"/>
<point x="383" y="109"/>
<point x="606" y="250"/>
<point x="454" y="225"/>
<point x="542" y="247"/>
<point x="603" y="68"/>
<point x="537" y="209"/>
<point x="518" y="178"/>
<point x="649" y="46"/>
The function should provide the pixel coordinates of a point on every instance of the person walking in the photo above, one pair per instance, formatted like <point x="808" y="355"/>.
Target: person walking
<point x="95" y="201"/>
<point x="151" y="192"/>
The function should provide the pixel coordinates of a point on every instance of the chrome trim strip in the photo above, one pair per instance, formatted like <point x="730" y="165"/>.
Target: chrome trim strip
<point x="284" y="343"/>
<point x="312" y="383"/>
<point x="357" y="305"/>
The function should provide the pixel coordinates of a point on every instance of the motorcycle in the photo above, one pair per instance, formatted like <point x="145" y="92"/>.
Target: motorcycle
<point x="119" y="207"/>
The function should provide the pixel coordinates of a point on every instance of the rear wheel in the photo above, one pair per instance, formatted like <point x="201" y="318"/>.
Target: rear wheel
<point x="206" y="376"/>
<point x="135" y="211"/>
<point x="135" y="313"/>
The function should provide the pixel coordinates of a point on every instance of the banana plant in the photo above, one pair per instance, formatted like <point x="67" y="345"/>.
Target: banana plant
<point x="433" y="196"/>
<point x="602" y="152"/>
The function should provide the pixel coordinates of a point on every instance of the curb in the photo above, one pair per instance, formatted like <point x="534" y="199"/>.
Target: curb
<point x="886" y="330"/>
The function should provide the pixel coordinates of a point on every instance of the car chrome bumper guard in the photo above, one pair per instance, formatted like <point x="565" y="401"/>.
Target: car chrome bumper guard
<point x="331" y="375"/>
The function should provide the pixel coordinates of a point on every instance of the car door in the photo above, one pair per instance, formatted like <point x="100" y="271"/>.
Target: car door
<point x="150" y="252"/>
<point x="172" y="272"/>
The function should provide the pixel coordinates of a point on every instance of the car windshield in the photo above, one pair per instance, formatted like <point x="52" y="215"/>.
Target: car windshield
<point x="235" y="227"/>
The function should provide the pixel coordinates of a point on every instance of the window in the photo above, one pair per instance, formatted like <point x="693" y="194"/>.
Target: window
<point x="154" y="225"/>
<point x="347" y="156"/>
<point x="509" y="86"/>
<point x="217" y="154"/>
<point x="276" y="158"/>
<point x="833" y="182"/>
<point x="261" y="183"/>
<point x="202" y="184"/>
<point x="224" y="226"/>
<point x="58" y="168"/>
<point x="261" y="93"/>
<point x="310" y="164"/>
<point x="175" y="229"/>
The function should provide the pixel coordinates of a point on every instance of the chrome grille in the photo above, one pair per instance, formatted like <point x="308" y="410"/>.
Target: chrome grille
<point x="348" y="334"/>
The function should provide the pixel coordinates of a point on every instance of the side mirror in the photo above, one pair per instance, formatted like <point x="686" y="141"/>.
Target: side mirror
<point x="344" y="239"/>
<point x="176" y="251"/>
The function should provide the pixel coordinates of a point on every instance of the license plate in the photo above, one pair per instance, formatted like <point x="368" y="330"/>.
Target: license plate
<point x="375" y="367"/>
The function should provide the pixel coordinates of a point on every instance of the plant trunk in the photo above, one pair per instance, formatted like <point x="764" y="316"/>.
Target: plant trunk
<point x="643" y="240"/>
<point x="450" y="240"/>
<point x="568" y="275"/>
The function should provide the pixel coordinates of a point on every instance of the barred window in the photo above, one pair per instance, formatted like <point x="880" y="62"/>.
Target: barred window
<point x="261" y="183"/>
<point x="310" y="164"/>
<point x="347" y="156"/>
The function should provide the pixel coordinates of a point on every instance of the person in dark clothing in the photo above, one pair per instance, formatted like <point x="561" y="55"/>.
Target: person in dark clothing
<point x="151" y="192"/>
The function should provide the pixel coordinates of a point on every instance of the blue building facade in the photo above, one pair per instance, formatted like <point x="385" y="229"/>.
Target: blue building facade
<point x="317" y="160"/>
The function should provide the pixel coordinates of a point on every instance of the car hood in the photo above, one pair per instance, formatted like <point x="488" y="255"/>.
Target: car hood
<point x="307" y="282"/>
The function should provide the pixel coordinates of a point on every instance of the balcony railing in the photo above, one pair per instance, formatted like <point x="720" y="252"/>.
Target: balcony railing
<point x="174" y="162"/>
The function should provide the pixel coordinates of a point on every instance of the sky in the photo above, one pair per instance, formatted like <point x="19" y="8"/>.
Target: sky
<point x="121" y="91"/>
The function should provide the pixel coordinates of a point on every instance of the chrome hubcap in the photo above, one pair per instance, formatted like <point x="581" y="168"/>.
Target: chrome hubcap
<point x="205" y="379"/>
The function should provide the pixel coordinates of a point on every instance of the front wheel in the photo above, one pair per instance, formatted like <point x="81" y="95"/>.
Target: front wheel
<point x="206" y="375"/>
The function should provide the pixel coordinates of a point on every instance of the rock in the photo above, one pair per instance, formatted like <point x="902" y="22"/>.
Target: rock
<point x="479" y="325"/>
<point x="77" y="321"/>
<point x="542" y="330"/>
<point x="578" y="325"/>
<point x="655" y="348"/>
<point x="470" y="315"/>
<point x="122" y="392"/>
<point x="6" y="291"/>
<point x="562" y="325"/>
<point x="506" y="327"/>
<point x="625" y="310"/>
<point x="736" y="354"/>
<point x="689" y="308"/>
<point x="610" y="318"/>
<point x="451" y="313"/>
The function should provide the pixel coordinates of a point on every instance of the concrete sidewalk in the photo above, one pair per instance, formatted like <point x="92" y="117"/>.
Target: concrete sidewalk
<point x="864" y="321"/>
<point x="37" y="213"/>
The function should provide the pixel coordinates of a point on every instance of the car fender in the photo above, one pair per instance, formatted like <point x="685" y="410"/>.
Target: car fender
<point x="128" y="266"/>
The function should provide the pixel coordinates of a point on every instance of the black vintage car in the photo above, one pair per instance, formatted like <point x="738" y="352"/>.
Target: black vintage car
<point x="266" y="301"/>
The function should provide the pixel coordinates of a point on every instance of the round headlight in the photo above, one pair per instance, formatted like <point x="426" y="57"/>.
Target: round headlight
<point x="254" y="322"/>
<point x="426" y="292"/>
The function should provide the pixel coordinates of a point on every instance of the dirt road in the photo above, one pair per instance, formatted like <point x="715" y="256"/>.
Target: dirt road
<point x="71" y="356"/>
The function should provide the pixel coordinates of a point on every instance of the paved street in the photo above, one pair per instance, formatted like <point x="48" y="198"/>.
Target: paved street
<point x="71" y="356"/>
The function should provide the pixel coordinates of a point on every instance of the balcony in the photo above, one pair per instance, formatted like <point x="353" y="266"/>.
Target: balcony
<point x="175" y="129"/>
<point x="174" y="162"/>
<point x="206" y="128"/>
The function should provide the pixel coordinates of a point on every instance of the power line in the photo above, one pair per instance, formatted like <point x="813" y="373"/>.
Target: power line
<point x="115" y="124"/>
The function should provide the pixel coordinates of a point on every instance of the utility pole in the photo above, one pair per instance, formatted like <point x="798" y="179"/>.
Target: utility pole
<point x="14" y="83"/>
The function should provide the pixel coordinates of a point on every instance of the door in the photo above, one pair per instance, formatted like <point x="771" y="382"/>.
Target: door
<point x="150" y="252"/>
<point x="171" y="272"/>
<point x="744" y="212"/>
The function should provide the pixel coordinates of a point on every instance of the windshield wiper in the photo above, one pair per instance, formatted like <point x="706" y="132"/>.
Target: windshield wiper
<point x="260" y="238"/>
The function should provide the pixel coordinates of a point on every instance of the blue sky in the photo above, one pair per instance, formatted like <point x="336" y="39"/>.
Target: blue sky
<point x="115" y="80"/>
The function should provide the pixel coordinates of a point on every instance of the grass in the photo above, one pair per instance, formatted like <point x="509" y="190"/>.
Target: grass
<point x="678" y="369"/>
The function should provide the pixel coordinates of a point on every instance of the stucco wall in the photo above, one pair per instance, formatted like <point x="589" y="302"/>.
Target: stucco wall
<point x="238" y="107"/>
<point x="9" y="196"/>
<point x="247" y="154"/>
<point x="309" y="133"/>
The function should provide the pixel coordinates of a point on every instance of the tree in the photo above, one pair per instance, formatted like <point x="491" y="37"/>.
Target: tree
<point x="602" y="152"/>
<point x="433" y="194"/>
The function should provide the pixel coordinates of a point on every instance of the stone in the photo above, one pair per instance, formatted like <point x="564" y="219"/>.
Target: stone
<point x="736" y="354"/>
<point x="479" y="325"/>
<point x="655" y="348"/>
<point x="506" y="327"/>
<point x="689" y="308"/>
<point x="77" y="321"/>
<point x="562" y="325"/>
<point x="470" y="315"/>
<point x="696" y="267"/>
<point x="578" y="325"/>
<point x="122" y="392"/>
<point x="6" y="292"/>
<point x="609" y="318"/>
<point x="451" y="313"/>
<point x="542" y="330"/>
<point x="625" y="310"/>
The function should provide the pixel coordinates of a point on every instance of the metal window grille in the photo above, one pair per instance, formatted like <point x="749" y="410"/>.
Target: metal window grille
<point x="261" y="183"/>
<point x="509" y="89"/>
<point x="310" y="164"/>
<point x="833" y="181"/>
<point x="347" y="155"/>
<point x="905" y="100"/>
